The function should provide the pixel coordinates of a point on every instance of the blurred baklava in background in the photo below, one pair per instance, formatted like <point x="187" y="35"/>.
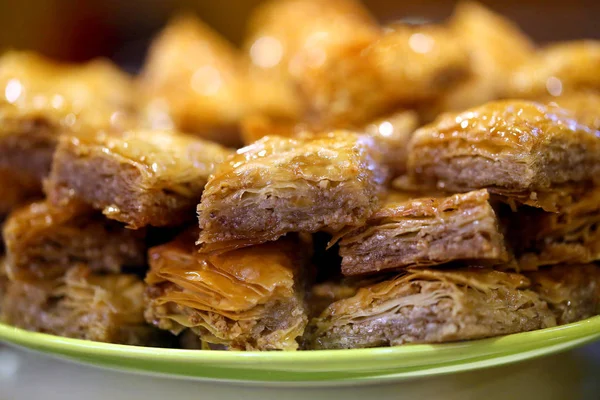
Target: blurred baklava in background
<point x="328" y="177"/>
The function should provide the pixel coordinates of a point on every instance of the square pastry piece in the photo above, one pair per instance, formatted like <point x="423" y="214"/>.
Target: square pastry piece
<point x="280" y="185"/>
<point x="43" y="99"/>
<point x="83" y="305"/>
<point x="246" y="299"/>
<point x="139" y="177"/>
<point x="523" y="150"/>
<point x="570" y="236"/>
<point x="571" y="291"/>
<point x="43" y="241"/>
<point x="424" y="231"/>
<point x="430" y="306"/>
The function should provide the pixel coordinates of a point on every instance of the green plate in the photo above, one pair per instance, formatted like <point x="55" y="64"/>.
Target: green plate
<point x="324" y="367"/>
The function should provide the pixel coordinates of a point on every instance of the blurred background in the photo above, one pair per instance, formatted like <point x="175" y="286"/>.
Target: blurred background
<point x="121" y="30"/>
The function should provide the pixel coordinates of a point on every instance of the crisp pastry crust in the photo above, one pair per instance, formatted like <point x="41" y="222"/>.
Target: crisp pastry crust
<point x="558" y="69"/>
<point x="278" y="185"/>
<point x="43" y="242"/>
<point x="82" y="305"/>
<point x="431" y="306"/>
<point x="571" y="291"/>
<point x="569" y="236"/>
<point x="514" y="148"/>
<point x="139" y="177"/>
<point x="423" y="232"/>
<point x="43" y="99"/>
<point x="404" y="66"/>
<point x="196" y="81"/>
<point x="246" y="299"/>
<point x="391" y="133"/>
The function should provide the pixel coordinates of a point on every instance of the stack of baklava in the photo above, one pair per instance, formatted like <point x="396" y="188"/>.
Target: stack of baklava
<point x="129" y="217"/>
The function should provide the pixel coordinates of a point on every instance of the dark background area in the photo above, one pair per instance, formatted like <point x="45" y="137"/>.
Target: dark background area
<point x="79" y="30"/>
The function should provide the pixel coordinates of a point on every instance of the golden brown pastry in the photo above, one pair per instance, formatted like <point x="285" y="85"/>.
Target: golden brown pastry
<point x="423" y="232"/>
<point x="290" y="37"/>
<point x="558" y="69"/>
<point x="140" y="177"/>
<point x="431" y="306"/>
<point x="569" y="236"/>
<point x="391" y="133"/>
<point x="497" y="46"/>
<point x="520" y="149"/>
<point x="246" y="299"/>
<point x="279" y="185"/>
<point x="43" y="242"/>
<point x="406" y="65"/>
<point x="571" y="291"/>
<point x="196" y="81"/>
<point x="82" y="305"/>
<point x="42" y="99"/>
<point x="585" y="106"/>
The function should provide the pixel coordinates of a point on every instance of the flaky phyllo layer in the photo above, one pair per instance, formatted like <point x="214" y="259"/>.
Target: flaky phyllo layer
<point x="428" y="306"/>
<point x="107" y="308"/>
<point x="251" y="298"/>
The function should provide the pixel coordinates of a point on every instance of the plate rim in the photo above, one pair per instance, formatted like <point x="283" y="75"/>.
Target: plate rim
<point x="579" y="329"/>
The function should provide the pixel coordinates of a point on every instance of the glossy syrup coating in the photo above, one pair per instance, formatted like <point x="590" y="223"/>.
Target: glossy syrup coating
<point x="584" y="105"/>
<point x="290" y="37"/>
<point x="404" y="66"/>
<point x="66" y="97"/>
<point x="249" y="298"/>
<point x="496" y="45"/>
<point x="510" y="145"/>
<point x="279" y="185"/>
<point x="140" y="177"/>
<point x="558" y="69"/>
<point x="196" y="81"/>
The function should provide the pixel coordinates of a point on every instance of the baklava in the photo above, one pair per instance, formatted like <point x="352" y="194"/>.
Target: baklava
<point x="83" y="305"/>
<point x="44" y="241"/>
<point x="432" y="306"/>
<point x="425" y="231"/>
<point x="43" y="99"/>
<point x="570" y="236"/>
<point x="279" y="185"/>
<point x="140" y="177"/>
<point x="246" y="299"/>
<point x="571" y="291"/>
<point x="519" y="149"/>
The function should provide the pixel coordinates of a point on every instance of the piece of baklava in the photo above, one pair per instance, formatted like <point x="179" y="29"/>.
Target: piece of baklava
<point x="290" y="37"/>
<point x="279" y="185"/>
<point x="571" y="291"/>
<point x="558" y="69"/>
<point x="497" y="46"/>
<point x="16" y="188"/>
<point x="83" y="305"/>
<point x="569" y="236"/>
<point x="432" y="306"/>
<point x="196" y="81"/>
<point x="43" y="99"/>
<point x="523" y="150"/>
<point x="246" y="299"/>
<point x="43" y="241"/>
<point x="140" y="177"/>
<point x="405" y="66"/>
<point x="424" y="231"/>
